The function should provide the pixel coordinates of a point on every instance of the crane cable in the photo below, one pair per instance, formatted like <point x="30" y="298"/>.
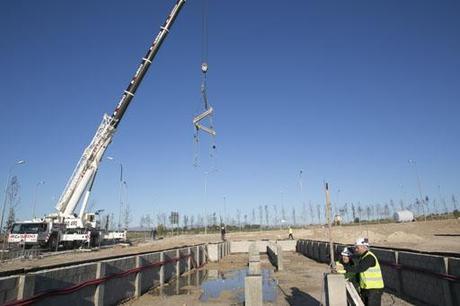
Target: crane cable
<point x="208" y="110"/>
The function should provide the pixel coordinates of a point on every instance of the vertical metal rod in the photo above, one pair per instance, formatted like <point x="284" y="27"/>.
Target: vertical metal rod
<point x="329" y="227"/>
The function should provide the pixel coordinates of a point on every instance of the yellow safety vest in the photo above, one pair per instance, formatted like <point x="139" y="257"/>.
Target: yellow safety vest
<point x="372" y="277"/>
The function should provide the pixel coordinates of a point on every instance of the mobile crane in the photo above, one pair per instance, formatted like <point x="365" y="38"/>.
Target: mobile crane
<point x="65" y="226"/>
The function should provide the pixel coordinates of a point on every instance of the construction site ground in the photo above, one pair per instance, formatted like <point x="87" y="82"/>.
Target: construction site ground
<point x="300" y="283"/>
<point x="432" y="235"/>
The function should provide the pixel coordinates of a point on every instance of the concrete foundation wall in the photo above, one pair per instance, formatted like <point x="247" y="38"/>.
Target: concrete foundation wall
<point x="417" y="278"/>
<point x="117" y="289"/>
<point x="243" y="245"/>
<point x="454" y="269"/>
<point x="8" y="288"/>
<point x="109" y="292"/>
<point x="169" y="268"/>
<point x="64" y="278"/>
<point x="150" y="277"/>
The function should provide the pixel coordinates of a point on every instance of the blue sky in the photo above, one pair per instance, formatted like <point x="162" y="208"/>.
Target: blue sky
<point x="346" y="91"/>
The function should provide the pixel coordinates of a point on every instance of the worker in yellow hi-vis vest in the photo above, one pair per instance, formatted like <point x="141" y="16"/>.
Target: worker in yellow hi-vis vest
<point x="370" y="274"/>
<point x="290" y="233"/>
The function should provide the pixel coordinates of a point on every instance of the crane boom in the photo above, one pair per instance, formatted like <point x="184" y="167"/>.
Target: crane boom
<point x="86" y="168"/>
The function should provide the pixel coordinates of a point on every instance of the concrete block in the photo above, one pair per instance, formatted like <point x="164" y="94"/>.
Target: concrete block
<point x="9" y="287"/>
<point x="335" y="291"/>
<point x="279" y="258"/>
<point x="254" y="258"/>
<point x="288" y="245"/>
<point x="253" y="290"/>
<point x="213" y="252"/>
<point x="254" y="268"/>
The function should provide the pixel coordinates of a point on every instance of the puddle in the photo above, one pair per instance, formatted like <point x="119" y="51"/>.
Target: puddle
<point x="218" y="285"/>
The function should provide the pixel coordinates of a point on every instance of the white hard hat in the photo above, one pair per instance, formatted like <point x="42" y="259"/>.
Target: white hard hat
<point x="362" y="241"/>
<point x="346" y="252"/>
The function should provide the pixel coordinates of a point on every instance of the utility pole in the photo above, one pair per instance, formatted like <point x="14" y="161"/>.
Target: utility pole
<point x="329" y="227"/>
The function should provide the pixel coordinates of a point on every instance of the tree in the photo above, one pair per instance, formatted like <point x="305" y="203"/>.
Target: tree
<point x="353" y="212"/>
<point x="293" y="216"/>
<point x="253" y="219"/>
<point x="127" y="216"/>
<point x="12" y="200"/>
<point x="386" y="211"/>
<point x="275" y="216"/>
<point x="148" y="221"/>
<point x="185" y="222"/>
<point x="454" y="202"/>
<point x="311" y="212"/>
<point x="261" y="215"/>
<point x="318" y="210"/>
<point x="266" y="215"/>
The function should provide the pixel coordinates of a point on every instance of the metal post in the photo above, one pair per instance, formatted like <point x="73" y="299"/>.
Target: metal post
<point x="329" y="229"/>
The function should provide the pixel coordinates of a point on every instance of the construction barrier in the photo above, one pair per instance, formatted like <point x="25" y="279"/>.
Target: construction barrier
<point x="414" y="276"/>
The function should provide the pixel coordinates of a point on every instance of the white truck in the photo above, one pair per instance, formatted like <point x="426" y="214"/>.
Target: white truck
<point x="65" y="227"/>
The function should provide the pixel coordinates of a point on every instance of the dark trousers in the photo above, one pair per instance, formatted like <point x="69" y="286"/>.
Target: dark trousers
<point x="290" y="236"/>
<point x="372" y="297"/>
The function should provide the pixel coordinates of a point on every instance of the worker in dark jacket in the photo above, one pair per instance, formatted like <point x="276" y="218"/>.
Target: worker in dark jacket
<point x="370" y="275"/>
<point x="346" y="259"/>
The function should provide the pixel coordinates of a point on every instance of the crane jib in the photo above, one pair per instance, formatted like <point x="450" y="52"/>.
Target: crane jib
<point x="144" y="65"/>
<point x="84" y="173"/>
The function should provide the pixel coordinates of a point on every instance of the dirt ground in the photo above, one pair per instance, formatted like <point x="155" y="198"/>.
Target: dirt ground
<point x="438" y="235"/>
<point x="300" y="283"/>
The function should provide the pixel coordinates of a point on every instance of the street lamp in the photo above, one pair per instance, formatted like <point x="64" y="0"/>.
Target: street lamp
<point x="120" y="191"/>
<point x="422" y="201"/>
<point x="19" y="162"/>
<point x="35" y="196"/>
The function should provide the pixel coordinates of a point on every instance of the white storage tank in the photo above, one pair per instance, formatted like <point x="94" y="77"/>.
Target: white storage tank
<point x="404" y="216"/>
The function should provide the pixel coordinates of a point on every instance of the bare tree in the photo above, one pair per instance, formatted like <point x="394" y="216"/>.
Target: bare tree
<point x="266" y="215"/>
<point x="293" y="216"/>
<point x="318" y="210"/>
<point x="185" y="221"/>
<point x="12" y="200"/>
<point x="192" y="221"/>
<point x="304" y="214"/>
<point x="311" y="212"/>
<point x="275" y="216"/>
<point x="253" y="219"/>
<point x="454" y="202"/>
<point x="261" y="216"/>
<point x="127" y="216"/>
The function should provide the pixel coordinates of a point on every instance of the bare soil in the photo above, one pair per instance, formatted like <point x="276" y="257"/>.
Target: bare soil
<point x="437" y="235"/>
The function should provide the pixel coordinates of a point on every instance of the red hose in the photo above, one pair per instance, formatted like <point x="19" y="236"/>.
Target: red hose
<point x="94" y="282"/>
